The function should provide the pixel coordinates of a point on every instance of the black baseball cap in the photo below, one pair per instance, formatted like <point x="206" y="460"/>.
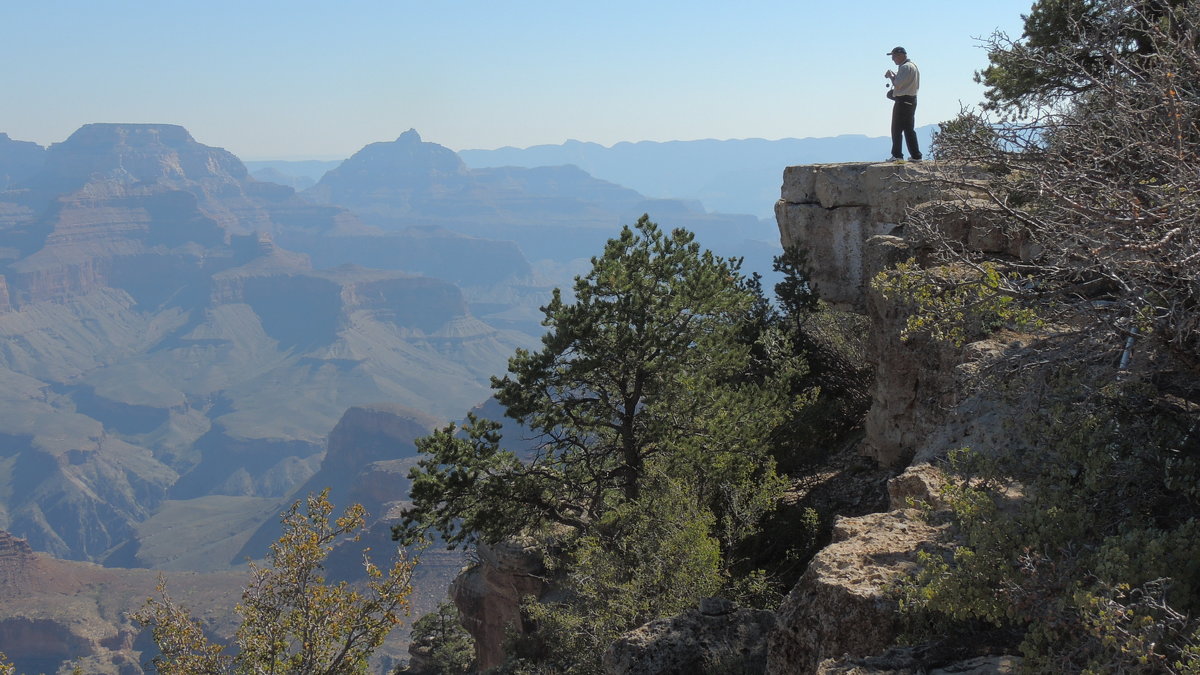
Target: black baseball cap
<point x="897" y="50"/>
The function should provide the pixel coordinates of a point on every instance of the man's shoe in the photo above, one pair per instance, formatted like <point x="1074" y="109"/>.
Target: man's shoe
<point x="915" y="159"/>
<point x="896" y="160"/>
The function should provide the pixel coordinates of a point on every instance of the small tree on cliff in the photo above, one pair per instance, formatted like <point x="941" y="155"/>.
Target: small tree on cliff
<point x="443" y="645"/>
<point x="651" y="403"/>
<point x="292" y="620"/>
<point x="644" y="374"/>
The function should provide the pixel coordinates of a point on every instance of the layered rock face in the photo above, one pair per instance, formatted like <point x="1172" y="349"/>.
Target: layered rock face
<point x="367" y="458"/>
<point x="113" y="199"/>
<point x="854" y="221"/>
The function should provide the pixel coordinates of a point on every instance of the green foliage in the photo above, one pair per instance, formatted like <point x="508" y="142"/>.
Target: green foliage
<point x="1081" y="534"/>
<point x="794" y="292"/>
<point x="1067" y="48"/>
<point x="770" y="562"/>
<point x="978" y="301"/>
<point x="965" y="138"/>
<point x="292" y="620"/>
<point x="469" y="487"/>
<point x="648" y="559"/>
<point x="180" y="638"/>
<point x="643" y="372"/>
<point x="835" y="385"/>
<point x="445" y="646"/>
<point x="1080" y="542"/>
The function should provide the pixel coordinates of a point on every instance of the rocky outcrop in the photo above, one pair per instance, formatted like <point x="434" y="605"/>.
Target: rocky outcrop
<point x="841" y="603"/>
<point x="489" y="594"/>
<point x="842" y="614"/>
<point x="854" y="221"/>
<point x="16" y="558"/>
<point x="832" y="211"/>
<point x="718" y="637"/>
<point x="915" y="383"/>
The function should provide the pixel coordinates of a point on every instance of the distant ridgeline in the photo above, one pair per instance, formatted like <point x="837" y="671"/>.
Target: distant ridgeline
<point x="728" y="176"/>
<point x="693" y="184"/>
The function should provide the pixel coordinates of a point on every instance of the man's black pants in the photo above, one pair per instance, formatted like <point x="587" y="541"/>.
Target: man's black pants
<point x="904" y="115"/>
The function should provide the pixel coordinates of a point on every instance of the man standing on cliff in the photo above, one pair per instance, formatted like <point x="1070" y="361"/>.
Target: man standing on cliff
<point x="906" y="79"/>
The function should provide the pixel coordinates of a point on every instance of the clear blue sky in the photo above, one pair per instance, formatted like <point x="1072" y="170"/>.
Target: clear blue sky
<point x="273" y="79"/>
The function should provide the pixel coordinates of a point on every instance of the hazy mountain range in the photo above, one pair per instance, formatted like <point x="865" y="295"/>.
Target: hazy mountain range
<point x="729" y="176"/>
<point x="726" y="176"/>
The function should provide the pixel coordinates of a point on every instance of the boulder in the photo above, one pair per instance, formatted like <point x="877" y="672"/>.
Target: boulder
<point x="832" y="211"/>
<point x="841" y="604"/>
